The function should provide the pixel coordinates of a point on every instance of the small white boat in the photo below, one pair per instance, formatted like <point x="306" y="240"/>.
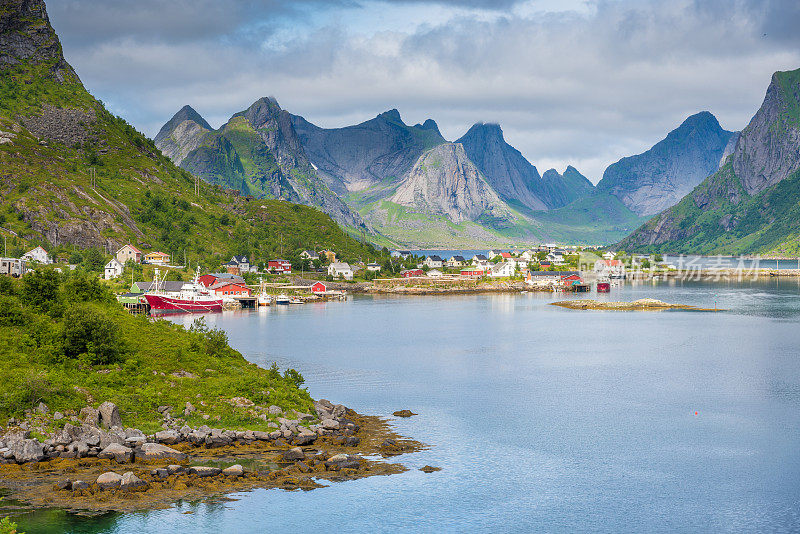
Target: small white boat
<point x="296" y="301"/>
<point x="282" y="300"/>
<point x="264" y="300"/>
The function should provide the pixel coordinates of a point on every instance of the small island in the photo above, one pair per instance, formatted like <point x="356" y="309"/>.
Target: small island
<point x="636" y="305"/>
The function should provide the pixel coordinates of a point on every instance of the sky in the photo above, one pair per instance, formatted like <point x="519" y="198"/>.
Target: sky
<point x="571" y="82"/>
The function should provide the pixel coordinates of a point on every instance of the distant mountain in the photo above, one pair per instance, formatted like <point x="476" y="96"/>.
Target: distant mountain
<point x="751" y="204"/>
<point x="659" y="178"/>
<point x="379" y="151"/>
<point x="563" y="189"/>
<point x="256" y="152"/>
<point x="514" y="178"/>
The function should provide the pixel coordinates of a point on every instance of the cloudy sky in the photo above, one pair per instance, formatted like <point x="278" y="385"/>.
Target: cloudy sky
<point x="570" y="81"/>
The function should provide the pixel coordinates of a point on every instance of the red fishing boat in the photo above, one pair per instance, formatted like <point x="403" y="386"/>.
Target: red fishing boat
<point x="193" y="297"/>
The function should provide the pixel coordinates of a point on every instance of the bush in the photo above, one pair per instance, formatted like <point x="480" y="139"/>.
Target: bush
<point x="89" y="335"/>
<point x="82" y="287"/>
<point x="8" y="527"/>
<point x="40" y="289"/>
<point x="11" y="312"/>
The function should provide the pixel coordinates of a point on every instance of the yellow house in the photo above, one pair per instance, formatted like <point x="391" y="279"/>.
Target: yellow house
<point x="157" y="258"/>
<point x="330" y="255"/>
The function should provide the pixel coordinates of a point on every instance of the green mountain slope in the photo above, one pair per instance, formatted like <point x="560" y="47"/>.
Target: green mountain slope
<point x="73" y="174"/>
<point x="751" y="205"/>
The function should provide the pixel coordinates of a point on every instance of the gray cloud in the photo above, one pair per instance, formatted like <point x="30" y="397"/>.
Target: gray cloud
<point x="584" y="87"/>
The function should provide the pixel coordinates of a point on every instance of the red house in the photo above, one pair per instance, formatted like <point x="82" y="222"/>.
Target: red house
<point x="280" y="266"/>
<point x="231" y="289"/>
<point x="410" y="273"/>
<point x="505" y="255"/>
<point x="210" y="279"/>
<point x="319" y="287"/>
<point x="571" y="279"/>
<point x="476" y="273"/>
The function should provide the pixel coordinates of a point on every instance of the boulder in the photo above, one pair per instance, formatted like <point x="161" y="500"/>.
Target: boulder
<point x="115" y="435"/>
<point x="233" y="471"/>
<point x="261" y="436"/>
<point x="294" y="454"/>
<point x="275" y="410"/>
<point x="170" y="437"/>
<point x="58" y="416"/>
<point x="108" y="480"/>
<point x="79" y="485"/>
<point x="324" y="408"/>
<point x="204" y="471"/>
<point x="90" y="416"/>
<point x="109" y="415"/>
<point x="174" y="469"/>
<point x="275" y="434"/>
<point x="330" y="424"/>
<point x="130" y="481"/>
<point x="120" y="453"/>
<point x="64" y="485"/>
<point x="26" y="450"/>
<point x="160" y="473"/>
<point x="81" y="449"/>
<point x="343" y="461"/>
<point x="157" y="451"/>
<point x="189" y="410"/>
<point x="42" y="408"/>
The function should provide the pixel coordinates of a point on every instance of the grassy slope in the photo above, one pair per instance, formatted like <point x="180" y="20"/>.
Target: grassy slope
<point x="38" y="362"/>
<point x="43" y="187"/>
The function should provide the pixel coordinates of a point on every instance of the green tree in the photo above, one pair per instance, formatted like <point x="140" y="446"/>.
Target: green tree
<point x="40" y="288"/>
<point x="89" y="334"/>
<point x="93" y="260"/>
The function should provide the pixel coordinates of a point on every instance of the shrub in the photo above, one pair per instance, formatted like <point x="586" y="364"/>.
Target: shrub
<point x="11" y="312"/>
<point x="40" y="289"/>
<point x="89" y="334"/>
<point x="82" y="287"/>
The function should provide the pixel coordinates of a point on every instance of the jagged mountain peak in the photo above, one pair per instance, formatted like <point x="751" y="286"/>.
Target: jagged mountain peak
<point x="262" y="111"/>
<point x="430" y="125"/>
<point x="486" y="130"/>
<point x="392" y="116"/>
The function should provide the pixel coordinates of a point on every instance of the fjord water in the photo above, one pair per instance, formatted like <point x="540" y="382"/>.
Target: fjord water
<point x="542" y="418"/>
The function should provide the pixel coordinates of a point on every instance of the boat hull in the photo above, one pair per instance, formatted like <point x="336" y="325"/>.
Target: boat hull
<point x="161" y="303"/>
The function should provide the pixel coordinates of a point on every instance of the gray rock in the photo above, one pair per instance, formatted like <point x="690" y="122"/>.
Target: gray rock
<point x="157" y="451"/>
<point x="90" y="416"/>
<point x="115" y="435"/>
<point x="109" y="415"/>
<point x="275" y="434"/>
<point x="294" y="454"/>
<point x="79" y="485"/>
<point x="115" y="451"/>
<point x="233" y="471"/>
<point x="81" y="449"/>
<point x="275" y="410"/>
<point x="189" y="409"/>
<point x="58" y="416"/>
<point x="108" y="480"/>
<point x="162" y="409"/>
<point x="261" y="436"/>
<point x="42" y="408"/>
<point x="130" y="481"/>
<point x="174" y="469"/>
<point x="330" y="424"/>
<point x="160" y="472"/>
<point x="27" y="450"/>
<point x="170" y="437"/>
<point x="204" y="471"/>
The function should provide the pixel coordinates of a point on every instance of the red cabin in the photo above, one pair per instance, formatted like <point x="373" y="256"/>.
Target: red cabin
<point x="231" y="289"/>
<point x="280" y="266"/>
<point x="410" y="273"/>
<point x="603" y="287"/>
<point x="477" y="273"/>
<point x="319" y="287"/>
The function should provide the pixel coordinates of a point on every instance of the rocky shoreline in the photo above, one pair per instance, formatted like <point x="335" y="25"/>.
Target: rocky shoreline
<point x="96" y="465"/>
<point x="641" y="304"/>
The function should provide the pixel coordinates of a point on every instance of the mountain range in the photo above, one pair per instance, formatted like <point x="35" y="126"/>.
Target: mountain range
<point x="750" y="204"/>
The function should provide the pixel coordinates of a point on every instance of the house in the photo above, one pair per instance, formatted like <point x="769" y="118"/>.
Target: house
<point x="113" y="269"/>
<point x="479" y="259"/>
<point x="521" y="264"/>
<point x="608" y="255"/>
<point x="435" y="273"/>
<point x="433" y="262"/>
<point x="401" y="254"/>
<point x="545" y="264"/>
<point x="542" y="277"/>
<point x="309" y="255"/>
<point x="528" y="255"/>
<point x="412" y="273"/>
<point x="232" y="268"/>
<point x="609" y="268"/>
<point x="472" y="272"/>
<point x="226" y="288"/>
<point x="456" y="261"/>
<point x="157" y="258"/>
<point x="12" y="267"/>
<point x="37" y="255"/>
<point x="339" y="269"/>
<point x="503" y="270"/>
<point x="571" y="278"/>
<point x="492" y="254"/>
<point x="374" y="267"/>
<point x="280" y="266"/>
<point x="242" y="262"/>
<point x="330" y="255"/>
<point x="506" y="255"/>
<point x="557" y="258"/>
<point x="129" y="253"/>
<point x="319" y="287"/>
<point x="210" y="279"/>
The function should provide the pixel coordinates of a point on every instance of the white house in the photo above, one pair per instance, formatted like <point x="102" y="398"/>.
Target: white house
<point x="309" y="255"/>
<point x="608" y="255"/>
<point x="374" y="267"/>
<point x="113" y="269"/>
<point x="521" y="264"/>
<point x="503" y="270"/>
<point x="456" y="261"/>
<point x="434" y="273"/>
<point x="479" y="260"/>
<point x="492" y="253"/>
<point x="557" y="258"/>
<point x="12" y="266"/>
<point x="433" y="262"/>
<point x="339" y="269"/>
<point x="528" y="255"/>
<point x="37" y="255"/>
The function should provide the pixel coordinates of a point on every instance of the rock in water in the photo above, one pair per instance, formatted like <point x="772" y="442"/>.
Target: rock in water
<point x="108" y="480"/>
<point x="109" y="415"/>
<point x="403" y="413"/>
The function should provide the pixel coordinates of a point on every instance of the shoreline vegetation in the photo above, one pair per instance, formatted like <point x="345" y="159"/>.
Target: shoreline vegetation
<point x="636" y="305"/>
<point x="92" y="390"/>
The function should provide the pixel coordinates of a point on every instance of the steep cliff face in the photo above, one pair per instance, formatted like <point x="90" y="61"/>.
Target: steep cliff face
<point x="563" y="189"/>
<point x="379" y="151"/>
<point x="768" y="149"/>
<point x="657" y="179"/>
<point x="183" y="133"/>
<point x="26" y="37"/>
<point x="445" y="182"/>
<point x="505" y="168"/>
<point x="257" y="152"/>
<point x="750" y="204"/>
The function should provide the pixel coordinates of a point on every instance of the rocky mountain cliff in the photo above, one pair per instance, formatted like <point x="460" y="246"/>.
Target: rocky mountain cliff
<point x="257" y="152"/>
<point x="751" y="204"/>
<point x="379" y="151"/>
<point x="445" y="182"/>
<point x="657" y="179"/>
<point x="563" y="189"/>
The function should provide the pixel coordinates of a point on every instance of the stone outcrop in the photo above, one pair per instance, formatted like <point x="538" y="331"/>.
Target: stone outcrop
<point x="182" y="134"/>
<point x="445" y="182"/>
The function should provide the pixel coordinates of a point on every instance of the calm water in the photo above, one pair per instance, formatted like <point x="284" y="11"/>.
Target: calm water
<point x="543" y="419"/>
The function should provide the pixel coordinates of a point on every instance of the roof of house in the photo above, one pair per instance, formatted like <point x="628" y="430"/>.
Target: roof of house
<point x="435" y="258"/>
<point x="131" y="246"/>
<point x="224" y="283"/>
<point x="373" y="264"/>
<point x="505" y="254"/>
<point x="311" y="253"/>
<point x="340" y="265"/>
<point x="611" y="263"/>
<point x="480" y="257"/>
<point x="239" y="259"/>
<point x="163" y="255"/>
<point x="113" y="260"/>
<point x="279" y="260"/>
<point x="458" y="258"/>
<point x="227" y="276"/>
